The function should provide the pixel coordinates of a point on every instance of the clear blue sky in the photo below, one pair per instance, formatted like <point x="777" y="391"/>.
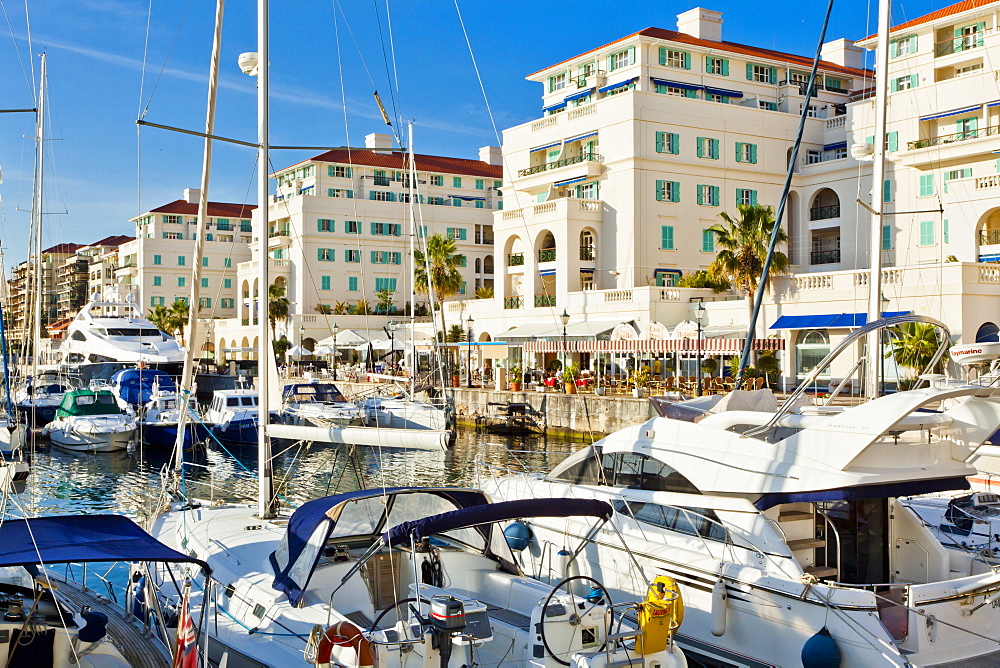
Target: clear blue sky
<point x="101" y="172"/>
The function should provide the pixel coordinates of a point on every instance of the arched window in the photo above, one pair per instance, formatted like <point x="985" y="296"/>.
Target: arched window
<point x="479" y="266"/>
<point x="813" y="346"/>
<point x="825" y="205"/>
<point x="988" y="332"/>
<point x="587" y="245"/>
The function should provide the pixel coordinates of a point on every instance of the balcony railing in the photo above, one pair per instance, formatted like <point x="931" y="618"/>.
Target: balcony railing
<point x="547" y="255"/>
<point x="380" y="180"/>
<point x="246" y="227"/>
<point x="278" y="233"/>
<point x="583" y="157"/>
<point x="545" y="300"/>
<point x="989" y="237"/>
<point x="824" y="212"/>
<point x="948" y="139"/>
<point x="513" y="302"/>
<point x="958" y="44"/>
<point x="515" y="259"/>
<point x="824" y="257"/>
<point x="586" y="252"/>
<point x="223" y="227"/>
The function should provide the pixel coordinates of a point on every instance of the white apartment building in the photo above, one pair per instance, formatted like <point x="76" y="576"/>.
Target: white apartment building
<point x="641" y="143"/>
<point x="159" y="260"/>
<point x="339" y="233"/>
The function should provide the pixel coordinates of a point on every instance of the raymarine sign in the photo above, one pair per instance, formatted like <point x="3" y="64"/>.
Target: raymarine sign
<point x="975" y="353"/>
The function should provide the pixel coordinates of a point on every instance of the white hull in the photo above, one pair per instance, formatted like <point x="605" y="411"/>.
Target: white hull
<point x="412" y="439"/>
<point x="12" y="441"/>
<point x="111" y="439"/>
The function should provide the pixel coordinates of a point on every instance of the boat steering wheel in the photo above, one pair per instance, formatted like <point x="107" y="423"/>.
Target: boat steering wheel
<point x="555" y="590"/>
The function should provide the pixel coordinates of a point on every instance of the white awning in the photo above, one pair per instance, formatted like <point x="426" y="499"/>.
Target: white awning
<point x="587" y="329"/>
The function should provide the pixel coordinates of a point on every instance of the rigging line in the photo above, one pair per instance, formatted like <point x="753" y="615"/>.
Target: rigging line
<point x="356" y="45"/>
<point x="20" y="59"/>
<point x="163" y="67"/>
<point x="27" y="25"/>
<point x="392" y="52"/>
<point x="138" y="129"/>
<point x="388" y="76"/>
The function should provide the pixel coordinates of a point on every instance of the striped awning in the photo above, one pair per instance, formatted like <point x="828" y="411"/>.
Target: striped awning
<point x="619" y="84"/>
<point x="953" y="112"/>
<point x="553" y="107"/>
<point x="723" y="91"/>
<point x="676" y="84"/>
<point x="578" y="96"/>
<point x="651" y="346"/>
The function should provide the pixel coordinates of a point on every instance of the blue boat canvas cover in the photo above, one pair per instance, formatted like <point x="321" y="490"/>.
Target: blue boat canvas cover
<point x="135" y="386"/>
<point x="82" y="538"/>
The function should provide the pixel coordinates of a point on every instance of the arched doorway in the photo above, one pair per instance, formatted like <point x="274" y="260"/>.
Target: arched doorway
<point x="812" y="346"/>
<point x="988" y="237"/>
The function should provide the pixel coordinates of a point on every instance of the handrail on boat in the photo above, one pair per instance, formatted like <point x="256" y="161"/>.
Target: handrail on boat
<point x="883" y="323"/>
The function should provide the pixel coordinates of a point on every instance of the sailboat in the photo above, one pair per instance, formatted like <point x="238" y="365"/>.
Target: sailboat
<point x="787" y="526"/>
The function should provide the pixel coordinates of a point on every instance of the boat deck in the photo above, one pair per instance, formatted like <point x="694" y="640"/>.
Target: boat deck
<point x="139" y="650"/>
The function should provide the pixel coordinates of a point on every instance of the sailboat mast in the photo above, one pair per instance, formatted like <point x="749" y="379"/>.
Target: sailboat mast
<point x="874" y="344"/>
<point x="265" y="482"/>
<point x="199" y="243"/>
<point x="38" y="199"/>
<point x="413" y="262"/>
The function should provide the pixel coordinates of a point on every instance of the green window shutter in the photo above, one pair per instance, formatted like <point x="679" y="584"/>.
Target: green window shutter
<point x="886" y="237"/>
<point x="164" y="235"/>
<point x="913" y="44"/>
<point x="926" y="232"/>
<point x="715" y="149"/>
<point x="739" y="151"/>
<point x="926" y="185"/>
<point x="774" y="75"/>
<point x="352" y="283"/>
<point x="687" y="61"/>
<point x="715" y="195"/>
<point x="350" y="172"/>
<point x="675" y="143"/>
<point x="892" y="142"/>
<point x="675" y="191"/>
<point x="749" y="71"/>
<point x="974" y="123"/>
<point x="371" y="195"/>
<point x="870" y="139"/>
<point x="659" y="142"/>
<point x="701" y="194"/>
<point x="887" y="191"/>
<point x="666" y="237"/>
<point x="204" y="261"/>
<point x="894" y="49"/>
<point x="204" y="282"/>
<point x="725" y="67"/>
<point x="659" y="191"/>
<point x="944" y="230"/>
<point x="319" y="253"/>
<point x="707" y="241"/>
<point x="663" y="56"/>
<point x="631" y="56"/>
<point x="157" y="281"/>
<point x="753" y="154"/>
<point x="894" y="86"/>
<point x="324" y="283"/>
<point x="914" y="80"/>
<point x="701" y="144"/>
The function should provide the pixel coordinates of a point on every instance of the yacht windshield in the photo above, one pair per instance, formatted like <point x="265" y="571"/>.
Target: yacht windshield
<point x="591" y="466"/>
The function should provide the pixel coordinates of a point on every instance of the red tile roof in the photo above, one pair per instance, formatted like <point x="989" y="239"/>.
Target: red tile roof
<point x="957" y="8"/>
<point x="63" y="248"/>
<point x="114" y="240"/>
<point x="731" y="47"/>
<point x="397" y="160"/>
<point x="217" y="209"/>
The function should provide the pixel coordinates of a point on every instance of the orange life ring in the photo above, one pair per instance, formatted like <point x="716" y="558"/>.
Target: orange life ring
<point x="345" y="634"/>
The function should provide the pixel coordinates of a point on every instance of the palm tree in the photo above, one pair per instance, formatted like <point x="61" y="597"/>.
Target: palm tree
<point x="180" y="312"/>
<point x="485" y="292"/>
<point x="161" y="316"/>
<point x="323" y="309"/>
<point x="442" y="264"/>
<point x="277" y="306"/>
<point x="912" y="346"/>
<point x="744" y="243"/>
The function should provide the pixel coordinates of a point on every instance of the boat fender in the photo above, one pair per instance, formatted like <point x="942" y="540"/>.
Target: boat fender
<point x="566" y="564"/>
<point x="820" y="651"/>
<point x="139" y="596"/>
<point x="95" y="629"/>
<point x="344" y="634"/>
<point x="720" y="602"/>
<point x="518" y="535"/>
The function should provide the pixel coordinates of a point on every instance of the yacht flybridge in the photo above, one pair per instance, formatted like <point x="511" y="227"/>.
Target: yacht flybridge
<point x="111" y="328"/>
<point x="786" y="523"/>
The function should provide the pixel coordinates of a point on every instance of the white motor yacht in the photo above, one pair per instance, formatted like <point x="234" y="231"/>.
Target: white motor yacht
<point x="111" y="328"/>
<point x="785" y="526"/>
<point x="233" y="415"/>
<point x="91" y="420"/>
<point x="318" y="403"/>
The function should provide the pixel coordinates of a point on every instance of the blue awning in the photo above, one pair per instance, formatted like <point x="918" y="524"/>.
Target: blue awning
<point x="992" y="257"/>
<point x="834" y="147"/>
<point x="586" y="270"/>
<point x="63" y="539"/>
<point x="663" y="270"/>
<point x="135" y="386"/>
<point x="676" y="84"/>
<point x="953" y="112"/>
<point x="723" y="91"/>
<point x="417" y="530"/>
<point x="828" y="320"/>
<point x="553" y="107"/>
<point x="577" y="96"/>
<point x="467" y="198"/>
<point x="547" y="272"/>
<point x="542" y="148"/>
<point x="313" y="522"/>
<point x="626" y="82"/>
<point x="579" y="137"/>
<point x="879" y="491"/>
<point x="994" y="104"/>
<point x="569" y="181"/>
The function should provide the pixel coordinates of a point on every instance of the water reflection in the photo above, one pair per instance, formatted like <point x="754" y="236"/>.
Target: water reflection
<point x="128" y="483"/>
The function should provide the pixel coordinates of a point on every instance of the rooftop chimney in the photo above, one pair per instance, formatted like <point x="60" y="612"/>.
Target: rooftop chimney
<point x="701" y="23"/>
<point x="377" y="142"/>
<point x="843" y="52"/>
<point x="491" y="155"/>
<point x="192" y="195"/>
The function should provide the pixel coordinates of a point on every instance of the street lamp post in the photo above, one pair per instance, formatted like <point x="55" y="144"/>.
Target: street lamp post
<point x="468" y="357"/>
<point x="883" y="341"/>
<point x="565" y="321"/>
<point x="209" y="336"/>
<point x="335" y="330"/>
<point x="698" y="311"/>
<point x="392" y="343"/>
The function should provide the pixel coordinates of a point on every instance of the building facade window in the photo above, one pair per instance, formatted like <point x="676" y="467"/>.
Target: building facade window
<point x="715" y="65"/>
<point x="927" y="233"/>
<point x="707" y="241"/>
<point x="708" y="148"/>
<point x="352" y="283"/>
<point x="352" y="255"/>
<point x="324" y="254"/>
<point x="762" y="73"/>
<point x="708" y="195"/>
<point x="457" y="233"/>
<point x="666" y="237"/>
<point x="668" y="142"/>
<point x="324" y="225"/>
<point x="340" y="171"/>
<point x="668" y="191"/>
<point x="437" y="180"/>
<point x="675" y="58"/>
<point x="746" y="196"/>
<point x="746" y="153"/>
<point x="617" y="61"/>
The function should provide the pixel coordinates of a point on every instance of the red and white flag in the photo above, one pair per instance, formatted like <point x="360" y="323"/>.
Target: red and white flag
<point x="186" y="651"/>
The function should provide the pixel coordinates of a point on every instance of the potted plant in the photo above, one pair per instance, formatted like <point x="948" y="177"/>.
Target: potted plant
<point x="709" y="366"/>
<point x="569" y="375"/>
<point x="514" y="377"/>
<point x="640" y="379"/>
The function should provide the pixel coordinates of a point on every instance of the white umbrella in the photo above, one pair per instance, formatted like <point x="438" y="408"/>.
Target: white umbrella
<point x="298" y="351"/>
<point x="323" y="350"/>
<point x="346" y="338"/>
<point x="385" y="344"/>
